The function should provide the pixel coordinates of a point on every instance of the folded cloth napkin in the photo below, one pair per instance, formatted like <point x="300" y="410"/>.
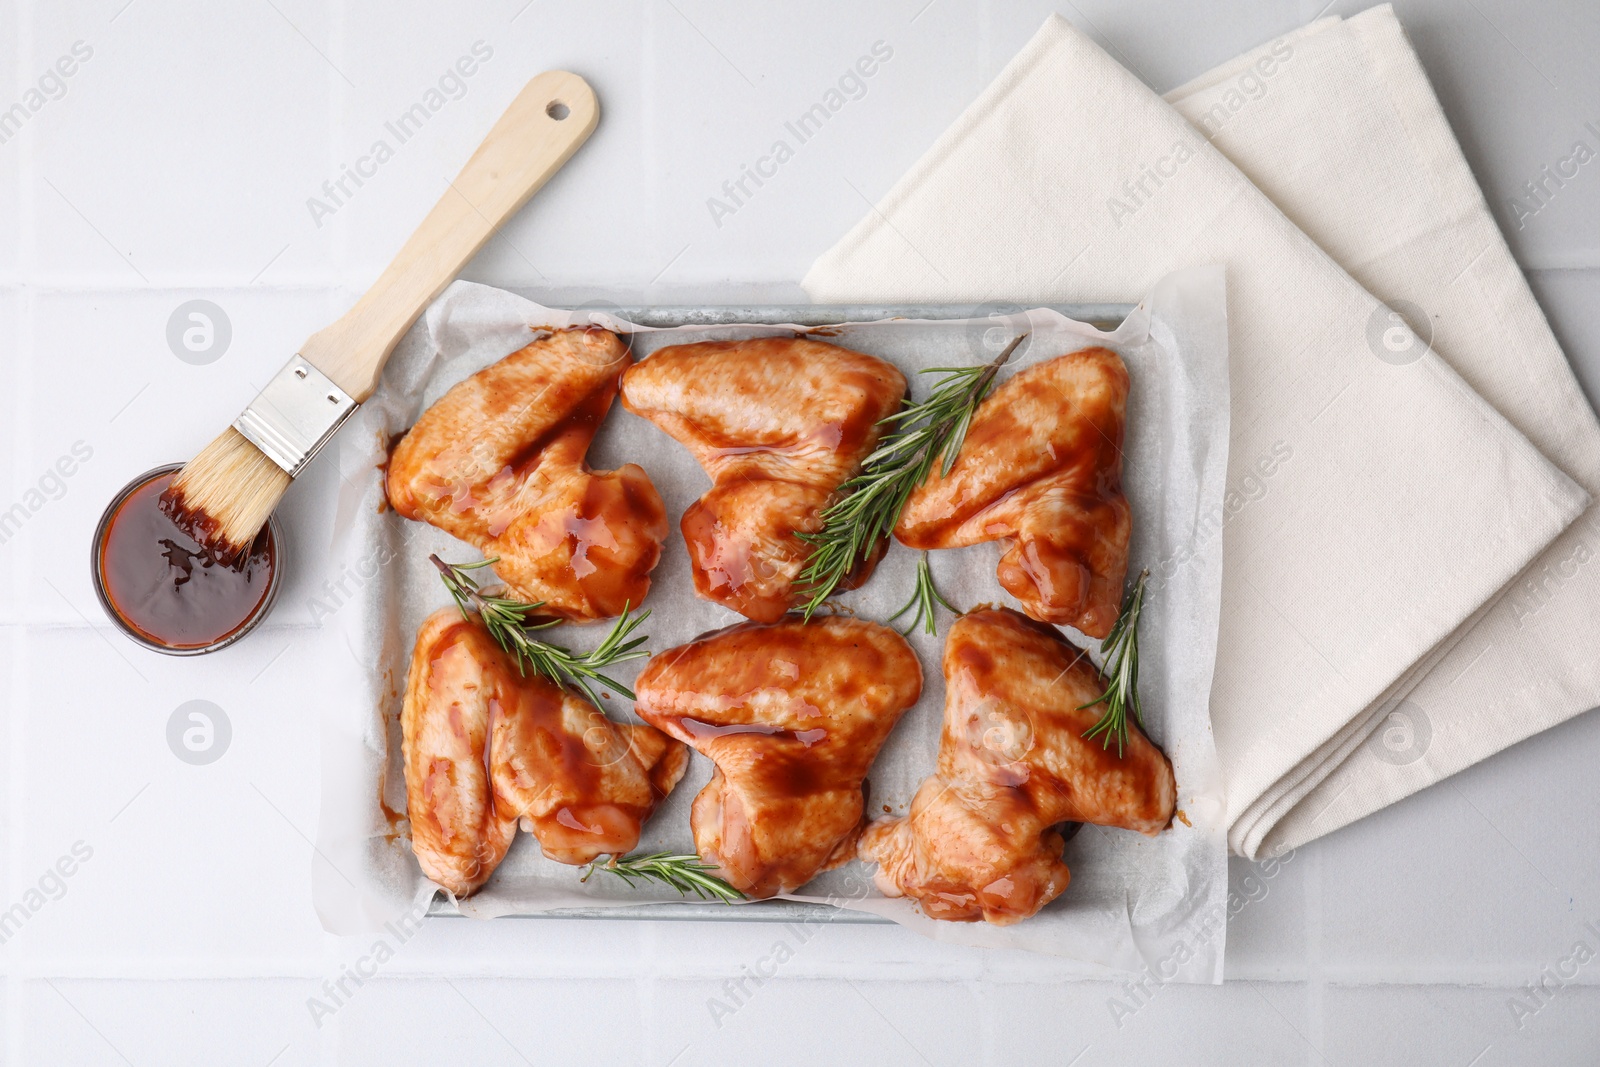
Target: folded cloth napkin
<point x="1377" y="502"/>
<point x="1338" y="125"/>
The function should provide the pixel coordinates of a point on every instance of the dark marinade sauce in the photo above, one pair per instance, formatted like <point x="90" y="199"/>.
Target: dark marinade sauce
<point x="164" y="585"/>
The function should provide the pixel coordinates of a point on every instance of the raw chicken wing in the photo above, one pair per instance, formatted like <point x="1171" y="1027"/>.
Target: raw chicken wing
<point x="486" y="747"/>
<point x="778" y="423"/>
<point x="792" y="714"/>
<point x="1041" y="472"/>
<point x="979" y="841"/>
<point x="498" y="461"/>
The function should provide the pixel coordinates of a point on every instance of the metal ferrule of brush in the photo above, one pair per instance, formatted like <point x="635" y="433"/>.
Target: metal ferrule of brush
<point x="295" y="415"/>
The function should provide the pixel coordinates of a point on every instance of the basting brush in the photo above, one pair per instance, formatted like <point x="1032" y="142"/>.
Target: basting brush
<point x="224" y="495"/>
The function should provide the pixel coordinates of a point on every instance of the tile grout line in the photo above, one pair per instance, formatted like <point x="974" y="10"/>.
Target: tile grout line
<point x="339" y="105"/>
<point x="649" y="990"/>
<point x="988" y="1022"/>
<point x="175" y="284"/>
<point x="331" y="1039"/>
<point x="1316" y="985"/>
<point x="645" y="990"/>
<point x="57" y="281"/>
<point x="15" y="786"/>
<point x="648" y="119"/>
<point x="26" y="178"/>
<point x="1511" y="978"/>
<point x="14" y="985"/>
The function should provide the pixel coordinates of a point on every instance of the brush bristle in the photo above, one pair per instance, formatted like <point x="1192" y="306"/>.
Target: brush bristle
<point x="224" y="495"/>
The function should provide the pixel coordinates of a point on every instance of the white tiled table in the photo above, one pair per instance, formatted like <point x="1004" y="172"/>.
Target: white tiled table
<point x="177" y="164"/>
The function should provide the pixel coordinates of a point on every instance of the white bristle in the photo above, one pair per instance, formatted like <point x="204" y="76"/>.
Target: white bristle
<point x="234" y="485"/>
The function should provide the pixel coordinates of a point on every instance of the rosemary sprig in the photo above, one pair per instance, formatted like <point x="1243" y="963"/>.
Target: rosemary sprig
<point x="922" y="435"/>
<point x="922" y="600"/>
<point x="686" y="874"/>
<point x="1121" y="652"/>
<point x="507" y="622"/>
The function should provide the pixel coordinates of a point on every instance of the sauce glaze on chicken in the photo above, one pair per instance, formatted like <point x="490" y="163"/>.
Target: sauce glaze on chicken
<point x="1041" y="472"/>
<point x="980" y="840"/>
<point x="498" y="462"/>
<point x="487" y="748"/>
<point x="779" y="424"/>
<point x="792" y="714"/>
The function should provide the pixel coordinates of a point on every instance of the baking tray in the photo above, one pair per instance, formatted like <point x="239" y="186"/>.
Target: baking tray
<point x="1102" y="316"/>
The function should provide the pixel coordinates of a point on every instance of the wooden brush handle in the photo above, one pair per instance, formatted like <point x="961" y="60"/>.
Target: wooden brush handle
<point x="522" y="151"/>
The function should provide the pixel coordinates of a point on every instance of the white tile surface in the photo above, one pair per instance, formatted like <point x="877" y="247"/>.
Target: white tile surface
<point x="11" y="649"/>
<point x="1571" y="301"/>
<point x="159" y="895"/>
<point x="1489" y="882"/>
<point x="74" y="1021"/>
<point x="1449" y="1024"/>
<point x="209" y="124"/>
<point x="14" y="474"/>
<point x="502" y="1021"/>
<point x="1518" y="84"/>
<point x="12" y="149"/>
<point x="178" y="164"/>
<point x="147" y="407"/>
<point x="779" y="1022"/>
<point x="1268" y="931"/>
<point x="399" y="61"/>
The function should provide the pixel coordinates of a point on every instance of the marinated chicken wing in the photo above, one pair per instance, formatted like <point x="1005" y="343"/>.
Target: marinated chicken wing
<point x="487" y="748"/>
<point x="498" y="461"/>
<point x="1041" y="472"/>
<point x="778" y="424"/>
<point x="792" y="714"/>
<point x="979" y="841"/>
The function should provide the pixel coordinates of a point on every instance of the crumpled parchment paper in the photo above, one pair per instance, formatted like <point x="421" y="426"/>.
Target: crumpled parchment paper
<point x="1134" y="902"/>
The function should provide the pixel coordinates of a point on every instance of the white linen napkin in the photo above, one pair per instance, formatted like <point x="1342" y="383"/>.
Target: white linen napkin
<point x="1378" y="503"/>
<point x="1409" y="223"/>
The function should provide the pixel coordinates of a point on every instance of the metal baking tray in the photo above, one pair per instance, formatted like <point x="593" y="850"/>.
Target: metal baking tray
<point x="1102" y="316"/>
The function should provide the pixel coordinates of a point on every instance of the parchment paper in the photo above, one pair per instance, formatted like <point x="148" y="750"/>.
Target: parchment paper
<point x="1133" y="903"/>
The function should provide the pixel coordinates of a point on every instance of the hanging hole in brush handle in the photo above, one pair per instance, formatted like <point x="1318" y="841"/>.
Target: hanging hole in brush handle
<point x="547" y="122"/>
